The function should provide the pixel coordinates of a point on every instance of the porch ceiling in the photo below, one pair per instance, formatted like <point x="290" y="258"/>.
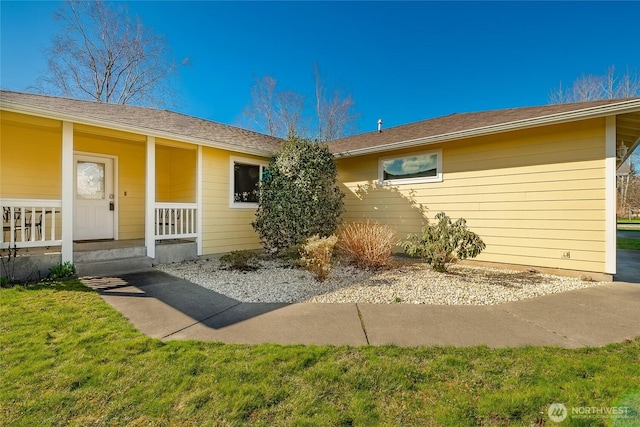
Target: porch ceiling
<point x="628" y="130"/>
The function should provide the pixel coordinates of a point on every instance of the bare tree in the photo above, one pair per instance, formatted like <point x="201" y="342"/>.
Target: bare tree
<point x="101" y="55"/>
<point x="285" y="113"/>
<point x="273" y="111"/>
<point x="557" y="95"/>
<point x="628" y="195"/>
<point x="628" y="85"/>
<point x="334" y="111"/>
<point x="609" y="83"/>
<point x="589" y="87"/>
<point x="291" y="107"/>
<point x="261" y="111"/>
<point x="633" y="197"/>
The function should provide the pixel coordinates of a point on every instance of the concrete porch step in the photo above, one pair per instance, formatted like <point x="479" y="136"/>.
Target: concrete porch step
<point x="109" y="267"/>
<point x="110" y="254"/>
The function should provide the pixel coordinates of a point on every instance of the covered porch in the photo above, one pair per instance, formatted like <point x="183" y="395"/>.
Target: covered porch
<point x="66" y="187"/>
<point x="94" y="258"/>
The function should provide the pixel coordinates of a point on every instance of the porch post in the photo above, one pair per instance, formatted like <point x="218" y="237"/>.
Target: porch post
<point x="150" y="198"/>
<point x="199" y="202"/>
<point x="610" y="196"/>
<point x="67" y="192"/>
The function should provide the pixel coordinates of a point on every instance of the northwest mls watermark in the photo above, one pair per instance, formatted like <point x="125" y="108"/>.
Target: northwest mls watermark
<point x="558" y="412"/>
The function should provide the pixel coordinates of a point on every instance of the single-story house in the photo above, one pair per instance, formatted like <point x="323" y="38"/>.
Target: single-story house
<point x="538" y="183"/>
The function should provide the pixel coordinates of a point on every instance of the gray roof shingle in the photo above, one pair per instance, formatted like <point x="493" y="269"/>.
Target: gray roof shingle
<point x="178" y="126"/>
<point x="455" y="124"/>
<point x="152" y="121"/>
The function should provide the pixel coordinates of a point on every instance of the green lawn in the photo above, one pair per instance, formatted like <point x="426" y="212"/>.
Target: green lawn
<point x="68" y="358"/>
<point x="628" y="243"/>
<point x="629" y="221"/>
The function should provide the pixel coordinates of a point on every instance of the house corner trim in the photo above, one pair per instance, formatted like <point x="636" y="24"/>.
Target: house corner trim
<point x="610" y="189"/>
<point x="150" y="198"/>
<point x="67" y="191"/>
<point x="199" y="194"/>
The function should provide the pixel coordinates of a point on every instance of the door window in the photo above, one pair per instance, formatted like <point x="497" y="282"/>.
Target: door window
<point x="90" y="181"/>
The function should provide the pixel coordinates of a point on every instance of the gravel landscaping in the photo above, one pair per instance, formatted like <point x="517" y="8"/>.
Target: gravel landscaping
<point x="409" y="282"/>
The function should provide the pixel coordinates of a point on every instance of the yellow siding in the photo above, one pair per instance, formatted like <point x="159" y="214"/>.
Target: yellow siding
<point x="531" y="195"/>
<point x="175" y="174"/>
<point x="176" y="144"/>
<point x="30" y="153"/>
<point x="131" y="177"/>
<point x="224" y="229"/>
<point x="163" y="175"/>
<point x="107" y="134"/>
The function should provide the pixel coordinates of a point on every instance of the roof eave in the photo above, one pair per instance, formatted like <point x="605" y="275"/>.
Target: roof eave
<point x="90" y="121"/>
<point x="558" y="118"/>
<point x="629" y="152"/>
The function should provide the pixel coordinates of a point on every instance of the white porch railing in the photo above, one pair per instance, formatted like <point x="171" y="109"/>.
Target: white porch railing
<point x="175" y="220"/>
<point x="30" y="223"/>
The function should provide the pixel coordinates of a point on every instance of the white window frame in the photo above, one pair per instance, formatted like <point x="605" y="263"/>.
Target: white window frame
<point x="436" y="178"/>
<point x="244" y="161"/>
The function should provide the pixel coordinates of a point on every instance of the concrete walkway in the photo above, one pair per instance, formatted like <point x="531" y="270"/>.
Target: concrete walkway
<point x="169" y="308"/>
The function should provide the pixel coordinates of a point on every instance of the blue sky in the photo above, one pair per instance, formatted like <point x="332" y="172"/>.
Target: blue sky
<point x="401" y="62"/>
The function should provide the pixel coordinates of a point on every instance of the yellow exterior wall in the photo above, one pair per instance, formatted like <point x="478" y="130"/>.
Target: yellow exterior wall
<point x="224" y="228"/>
<point x="175" y="174"/>
<point x="531" y="195"/>
<point x="131" y="156"/>
<point x="30" y="153"/>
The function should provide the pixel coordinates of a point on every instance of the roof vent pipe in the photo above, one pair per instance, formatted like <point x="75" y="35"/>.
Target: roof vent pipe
<point x="379" y="125"/>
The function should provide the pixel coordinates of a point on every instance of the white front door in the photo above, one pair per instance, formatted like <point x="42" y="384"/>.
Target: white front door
<point x="94" y="198"/>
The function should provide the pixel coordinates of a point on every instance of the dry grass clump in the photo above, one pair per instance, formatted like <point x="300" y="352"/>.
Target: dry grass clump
<point x="367" y="244"/>
<point x="316" y="255"/>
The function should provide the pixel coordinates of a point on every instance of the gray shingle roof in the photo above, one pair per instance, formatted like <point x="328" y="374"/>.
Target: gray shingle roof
<point x="456" y="125"/>
<point x="146" y="120"/>
<point x="178" y="126"/>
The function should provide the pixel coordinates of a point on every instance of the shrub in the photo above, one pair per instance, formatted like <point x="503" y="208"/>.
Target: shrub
<point x="239" y="260"/>
<point x="367" y="244"/>
<point x="316" y="255"/>
<point x="298" y="196"/>
<point x="8" y="266"/>
<point x="440" y="242"/>
<point x="291" y="256"/>
<point x="62" y="270"/>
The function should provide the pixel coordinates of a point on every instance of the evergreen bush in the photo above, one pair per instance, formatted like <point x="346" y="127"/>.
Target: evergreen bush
<point x="244" y="260"/>
<point x="443" y="243"/>
<point x="299" y="196"/>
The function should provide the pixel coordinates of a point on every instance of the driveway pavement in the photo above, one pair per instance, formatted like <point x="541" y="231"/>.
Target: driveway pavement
<point x="170" y="308"/>
<point x="628" y="261"/>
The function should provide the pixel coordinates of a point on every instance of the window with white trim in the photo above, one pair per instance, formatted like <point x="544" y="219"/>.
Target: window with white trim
<point x="411" y="168"/>
<point x="244" y="181"/>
